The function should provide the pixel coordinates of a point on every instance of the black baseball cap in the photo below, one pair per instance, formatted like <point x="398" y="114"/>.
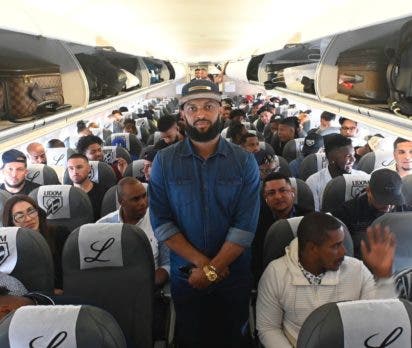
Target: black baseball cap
<point x="386" y="187"/>
<point x="197" y="89"/>
<point x="13" y="155"/>
<point x="312" y="143"/>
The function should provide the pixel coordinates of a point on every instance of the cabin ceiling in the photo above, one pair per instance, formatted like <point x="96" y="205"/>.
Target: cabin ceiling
<point x="195" y="30"/>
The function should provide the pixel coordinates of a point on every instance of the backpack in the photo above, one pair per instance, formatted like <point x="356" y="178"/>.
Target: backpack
<point x="399" y="73"/>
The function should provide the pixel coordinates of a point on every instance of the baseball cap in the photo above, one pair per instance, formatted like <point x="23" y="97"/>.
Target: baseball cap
<point x="13" y="155"/>
<point x="386" y="187"/>
<point x="197" y="89"/>
<point x="312" y="143"/>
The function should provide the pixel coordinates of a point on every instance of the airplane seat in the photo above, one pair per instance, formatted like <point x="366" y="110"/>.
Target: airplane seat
<point x="267" y="147"/>
<point x="407" y="188"/>
<point x="375" y="160"/>
<point x="303" y="194"/>
<point x="284" y="167"/>
<point x="312" y="164"/>
<point x="127" y="141"/>
<point x="292" y="149"/>
<point x="403" y="283"/>
<point x="25" y="255"/>
<point x="110" y="202"/>
<point x="4" y="196"/>
<point x="283" y="231"/>
<point x="73" y="326"/>
<point x="330" y="130"/>
<point x="156" y="137"/>
<point x="99" y="260"/>
<point x="365" y="323"/>
<point x="343" y="188"/>
<point x="223" y="133"/>
<point x="145" y="150"/>
<point x="42" y="174"/>
<point x="100" y="173"/>
<point x="400" y="224"/>
<point x="110" y="153"/>
<point x="64" y="205"/>
<point x="58" y="156"/>
<point x="135" y="169"/>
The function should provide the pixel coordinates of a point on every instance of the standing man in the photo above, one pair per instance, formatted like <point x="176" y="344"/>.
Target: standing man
<point x="204" y="204"/>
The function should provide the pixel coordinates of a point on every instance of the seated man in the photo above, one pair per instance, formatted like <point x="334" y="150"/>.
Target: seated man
<point x="132" y="198"/>
<point x="91" y="147"/>
<point x="235" y="132"/>
<point x="36" y="153"/>
<point x="288" y="129"/>
<point x="250" y="142"/>
<point x="279" y="196"/>
<point x="315" y="271"/>
<point x="341" y="156"/>
<point x="78" y="168"/>
<point x="326" y="119"/>
<point x="148" y="160"/>
<point x="383" y="195"/>
<point x="402" y="153"/>
<point x="169" y="132"/>
<point x="14" y="173"/>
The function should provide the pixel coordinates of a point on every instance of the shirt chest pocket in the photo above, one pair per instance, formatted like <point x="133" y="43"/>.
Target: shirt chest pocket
<point x="182" y="192"/>
<point x="227" y="191"/>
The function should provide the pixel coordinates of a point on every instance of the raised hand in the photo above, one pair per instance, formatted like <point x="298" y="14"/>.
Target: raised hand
<point x="379" y="250"/>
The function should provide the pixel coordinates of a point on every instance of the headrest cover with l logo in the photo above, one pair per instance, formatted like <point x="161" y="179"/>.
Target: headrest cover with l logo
<point x="100" y="245"/>
<point x="54" y="200"/>
<point x="44" y="326"/>
<point x="35" y="173"/>
<point x="57" y="156"/>
<point x="377" y="321"/>
<point x="8" y="249"/>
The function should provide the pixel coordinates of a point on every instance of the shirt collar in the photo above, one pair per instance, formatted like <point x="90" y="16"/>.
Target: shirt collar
<point x="222" y="148"/>
<point x="312" y="279"/>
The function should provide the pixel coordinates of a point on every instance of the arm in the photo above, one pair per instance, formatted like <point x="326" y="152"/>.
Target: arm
<point x="163" y="270"/>
<point x="269" y="312"/>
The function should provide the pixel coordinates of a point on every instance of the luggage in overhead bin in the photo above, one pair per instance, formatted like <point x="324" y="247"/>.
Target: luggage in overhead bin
<point x="301" y="78"/>
<point x="172" y="72"/>
<point x="132" y="81"/>
<point x="155" y="69"/>
<point x="29" y="86"/>
<point x="291" y="55"/>
<point x="104" y="79"/>
<point x="362" y="74"/>
<point x="252" y="71"/>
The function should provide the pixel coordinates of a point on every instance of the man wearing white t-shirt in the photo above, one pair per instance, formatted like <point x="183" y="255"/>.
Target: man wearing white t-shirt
<point x="132" y="198"/>
<point x="341" y="156"/>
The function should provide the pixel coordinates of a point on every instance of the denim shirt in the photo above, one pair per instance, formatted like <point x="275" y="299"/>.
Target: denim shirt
<point x="208" y="201"/>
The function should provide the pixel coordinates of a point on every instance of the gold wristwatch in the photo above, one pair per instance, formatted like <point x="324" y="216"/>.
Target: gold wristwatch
<point x="210" y="272"/>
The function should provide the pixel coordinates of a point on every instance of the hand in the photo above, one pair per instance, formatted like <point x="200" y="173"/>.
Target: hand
<point x="378" y="255"/>
<point x="198" y="279"/>
<point x="121" y="165"/>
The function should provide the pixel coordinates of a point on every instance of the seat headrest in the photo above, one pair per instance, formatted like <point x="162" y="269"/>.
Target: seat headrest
<point x="110" y="154"/>
<point x="312" y="164"/>
<point x="8" y="249"/>
<point x="4" y="196"/>
<point x="121" y="139"/>
<point x="375" y="160"/>
<point x="407" y="189"/>
<point x="303" y="194"/>
<point x="58" y="156"/>
<point x="110" y="201"/>
<point x="379" y="323"/>
<point x="42" y="174"/>
<point x="63" y="326"/>
<point x="55" y="201"/>
<point x="292" y="149"/>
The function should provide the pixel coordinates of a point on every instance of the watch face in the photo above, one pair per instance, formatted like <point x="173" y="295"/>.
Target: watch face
<point x="212" y="276"/>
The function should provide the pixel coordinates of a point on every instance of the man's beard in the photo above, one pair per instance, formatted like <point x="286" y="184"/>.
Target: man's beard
<point x="204" y="137"/>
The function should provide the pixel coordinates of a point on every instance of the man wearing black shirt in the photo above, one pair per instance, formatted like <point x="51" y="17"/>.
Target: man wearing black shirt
<point x="383" y="195"/>
<point x="14" y="172"/>
<point x="78" y="168"/>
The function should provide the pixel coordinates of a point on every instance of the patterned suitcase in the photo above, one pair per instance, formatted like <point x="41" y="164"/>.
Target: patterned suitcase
<point x="29" y="85"/>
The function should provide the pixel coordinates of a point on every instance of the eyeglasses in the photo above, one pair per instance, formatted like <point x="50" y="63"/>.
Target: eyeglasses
<point x="20" y="216"/>
<point x="282" y="191"/>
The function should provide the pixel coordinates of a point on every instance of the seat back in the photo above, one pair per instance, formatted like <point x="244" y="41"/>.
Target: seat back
<point x="312" y="164"/>
<point x="110" y="202"/>
<point x="303" y="194"/>
<point x="284" y="167"/>
<point x="366" y="323"/>
<point x="127" y="141"/>
<point x="110" y="154"/>
<point x="407" y="189"/>
<point x="375" y="160"/>
<point x="283" y="231"/>
<point x="25" y="255"/>
<point x="292" y="149"/>
<point x="4" y="196"/>
<point x="58" y="156"/>
<point x="403" y="283"/>
<point x="65" y="326"/>
<point x="112" y="265"/>
<point x="342" y="189"/>
<point x="267" y="147"/>
<point x="400" y="224"/>
<point x="64" y="205"/>
<point x="100" y="173"/>
<point x="135" y="169"/>
<point x="42" y="174"/>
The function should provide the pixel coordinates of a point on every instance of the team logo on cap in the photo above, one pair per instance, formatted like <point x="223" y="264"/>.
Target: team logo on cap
<point x="357" y="187"/>
<point x="52" y="201"/>
<point x="4" y="251"/>
<point x="310" y="142"/>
